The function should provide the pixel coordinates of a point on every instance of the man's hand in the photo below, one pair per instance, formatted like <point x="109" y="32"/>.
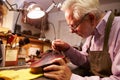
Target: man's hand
<point x="60" y="45"/>
<point x="58" y="71"/>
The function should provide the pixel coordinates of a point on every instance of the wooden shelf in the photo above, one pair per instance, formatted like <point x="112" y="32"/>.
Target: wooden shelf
<point x="42" y="44"/>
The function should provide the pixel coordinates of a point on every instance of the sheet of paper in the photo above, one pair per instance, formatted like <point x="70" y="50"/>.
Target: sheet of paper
<point x="21" y="74"/>
<point x="32" y="51"/>
<point x="11" y="55"/>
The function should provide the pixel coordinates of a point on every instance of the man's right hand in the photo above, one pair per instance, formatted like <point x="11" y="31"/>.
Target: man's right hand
<point x="60" y="45"/>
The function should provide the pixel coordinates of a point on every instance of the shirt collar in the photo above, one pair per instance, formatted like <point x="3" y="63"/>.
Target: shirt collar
<point x="101" y="25"/>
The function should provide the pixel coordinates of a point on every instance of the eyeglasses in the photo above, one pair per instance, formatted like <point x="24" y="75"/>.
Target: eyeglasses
<point x="73" y="27"/>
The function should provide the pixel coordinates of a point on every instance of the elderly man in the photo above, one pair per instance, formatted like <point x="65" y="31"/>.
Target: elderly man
<point x="100" y="54"/>
<point x="101" y="51"/>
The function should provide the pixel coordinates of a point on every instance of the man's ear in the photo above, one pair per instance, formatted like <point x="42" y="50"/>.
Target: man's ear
<point x="91" y="17"/>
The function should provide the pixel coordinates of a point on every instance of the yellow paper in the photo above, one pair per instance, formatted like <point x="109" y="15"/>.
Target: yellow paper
<point x="22" y="74"/>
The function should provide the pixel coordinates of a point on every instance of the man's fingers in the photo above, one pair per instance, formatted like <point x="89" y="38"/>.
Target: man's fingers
<point x="56" y="64"/>
<point x="52" y="75"/>
<point x="59" y="61"/>
<point x="51" y="67"/>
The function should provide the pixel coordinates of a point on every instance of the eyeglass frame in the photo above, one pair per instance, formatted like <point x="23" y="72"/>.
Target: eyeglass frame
<point x="73" y="27"/>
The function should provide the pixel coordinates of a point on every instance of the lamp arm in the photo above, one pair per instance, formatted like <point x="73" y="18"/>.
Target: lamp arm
<point x="17" y="18"/>
<point x="50" y="7"/>
<point x="54" y="30"/>
<point x="10" y="7"/>
<point x="15" y="5"/>
<point x="15" y="26"/>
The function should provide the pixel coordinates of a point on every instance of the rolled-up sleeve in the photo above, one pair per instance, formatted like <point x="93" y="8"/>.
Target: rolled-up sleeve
<point x="75" y="56"/>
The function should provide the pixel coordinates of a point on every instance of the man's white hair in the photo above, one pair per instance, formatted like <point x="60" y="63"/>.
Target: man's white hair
<point x="81" y="7"/>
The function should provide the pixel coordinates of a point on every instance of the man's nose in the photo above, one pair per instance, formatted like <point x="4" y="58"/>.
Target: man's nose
<point x="72" y="30"/>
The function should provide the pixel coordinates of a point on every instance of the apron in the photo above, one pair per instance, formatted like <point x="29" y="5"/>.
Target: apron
<point x="100" y="62"/>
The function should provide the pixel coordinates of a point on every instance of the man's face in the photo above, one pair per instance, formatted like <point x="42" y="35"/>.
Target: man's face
<point x="82" y="27"/>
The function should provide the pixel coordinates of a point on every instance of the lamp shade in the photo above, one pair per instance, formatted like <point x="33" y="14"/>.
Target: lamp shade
<point x="35" y="12"/>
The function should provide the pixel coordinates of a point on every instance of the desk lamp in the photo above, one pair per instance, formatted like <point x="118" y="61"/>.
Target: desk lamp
<point x="34" y="11"/>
